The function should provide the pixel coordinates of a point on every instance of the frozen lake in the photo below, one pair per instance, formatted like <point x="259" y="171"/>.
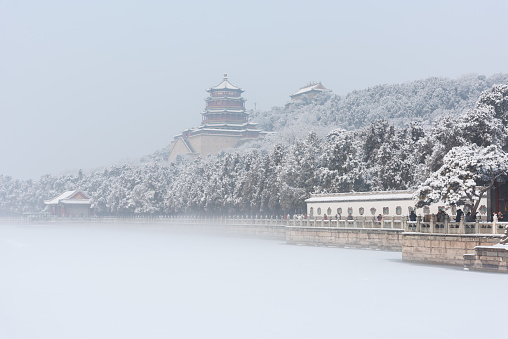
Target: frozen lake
<point x="96" y="281"/>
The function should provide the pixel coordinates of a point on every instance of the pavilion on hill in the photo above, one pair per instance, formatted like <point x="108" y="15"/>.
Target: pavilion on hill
<point x="224" y="124"/>
<point x="309" y="91"/>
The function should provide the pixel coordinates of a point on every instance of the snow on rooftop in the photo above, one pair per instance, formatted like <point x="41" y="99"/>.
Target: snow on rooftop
<point x="223" y="110"/>
<point x="62" y="196"/>
<point x="366" y="196"/>
<point x="311" y="87"/>
<point x="227" y="131"/>
<point x="75" y="201"/>
<point x="246" y="124"/>
<point x="496" y="246"/>
<point x="65" y="197"/>
<point x="225" y="84"/>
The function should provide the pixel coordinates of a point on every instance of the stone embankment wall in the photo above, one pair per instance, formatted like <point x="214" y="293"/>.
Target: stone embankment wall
<point x="487" y="258"/>
<point x="448" y="249"/>
<point x="382" y="239"/>
<point x="233" y="227"/>
<point x="276" y="232"/>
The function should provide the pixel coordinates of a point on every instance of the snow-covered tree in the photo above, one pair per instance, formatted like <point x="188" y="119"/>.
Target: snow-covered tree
<point x="486" y="123"/>
<point x="467" y="173"/>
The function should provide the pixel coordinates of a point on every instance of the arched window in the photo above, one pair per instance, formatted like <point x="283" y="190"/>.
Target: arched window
<point x="350" y="210"/>
<point x="329" y="211"/>
<point x="311" y="211"/>
<point x="373" y="211"/>
<point x="398" y="210"/>
<point x="319" y="211"/>
<point x="386" y="210"/>
<point x="426" y="210"/>
<point x="361" y="210"/>
<point x="339" y="210"/>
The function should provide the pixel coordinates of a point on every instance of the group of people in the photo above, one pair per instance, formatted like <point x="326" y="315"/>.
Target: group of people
<point x="467" y="218"/>
<point x="338" y="217"/>
<point x="441" y="215"/>
<point x="500" y="216"/>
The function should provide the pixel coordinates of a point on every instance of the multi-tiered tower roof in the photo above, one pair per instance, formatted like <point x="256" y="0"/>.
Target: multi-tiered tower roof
<point x="225" y="105"/>
<point x="224" y="124"/>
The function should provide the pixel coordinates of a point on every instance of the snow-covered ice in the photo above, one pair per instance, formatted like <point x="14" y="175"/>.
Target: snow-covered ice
<point x="99" y="281"/>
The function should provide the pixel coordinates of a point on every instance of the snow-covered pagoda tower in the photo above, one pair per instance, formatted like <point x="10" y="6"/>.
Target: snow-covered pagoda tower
<point x="225" y="105"/>
<point x="224" y="124"/>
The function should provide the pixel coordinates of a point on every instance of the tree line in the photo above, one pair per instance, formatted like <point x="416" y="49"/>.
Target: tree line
<point x="273" y="177"/>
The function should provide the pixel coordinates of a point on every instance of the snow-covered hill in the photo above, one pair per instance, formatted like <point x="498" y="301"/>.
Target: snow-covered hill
<point x="420" y="101"/>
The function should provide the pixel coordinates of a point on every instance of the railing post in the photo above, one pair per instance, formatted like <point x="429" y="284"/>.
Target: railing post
<point x="446" y="220"/>
<point x="462" y="225"/>
<point x="494" y="224"/>
<point x="419" y="224"/>
<point x="393" y="222"/>
<point x="432" y="223"/>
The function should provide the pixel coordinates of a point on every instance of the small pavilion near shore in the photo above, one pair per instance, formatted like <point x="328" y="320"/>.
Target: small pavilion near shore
<point x="70" y="204"/>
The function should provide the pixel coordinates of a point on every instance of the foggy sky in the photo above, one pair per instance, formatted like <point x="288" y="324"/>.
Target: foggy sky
<point x="85" y="84"/>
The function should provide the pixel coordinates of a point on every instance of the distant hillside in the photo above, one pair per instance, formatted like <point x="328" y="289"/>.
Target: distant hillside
<point x="419" y="101"/>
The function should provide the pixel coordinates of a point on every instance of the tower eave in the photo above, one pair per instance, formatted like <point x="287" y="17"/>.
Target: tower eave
<point x="225" y="97"/>
<point x="235" y="89"/>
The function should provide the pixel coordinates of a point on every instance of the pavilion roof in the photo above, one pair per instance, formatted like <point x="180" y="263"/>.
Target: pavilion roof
<point x="224" y="111"/>
<point x="243" y="125"/>
<point x="361" y="196"/>
<point x="225" y="97"/>
<point x="225" y="84"/>
<point x="315" y="86"/>
<point x="69" y="197"/>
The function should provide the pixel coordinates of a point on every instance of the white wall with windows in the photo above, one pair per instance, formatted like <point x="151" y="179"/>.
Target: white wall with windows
<point x="371" y="204"/>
